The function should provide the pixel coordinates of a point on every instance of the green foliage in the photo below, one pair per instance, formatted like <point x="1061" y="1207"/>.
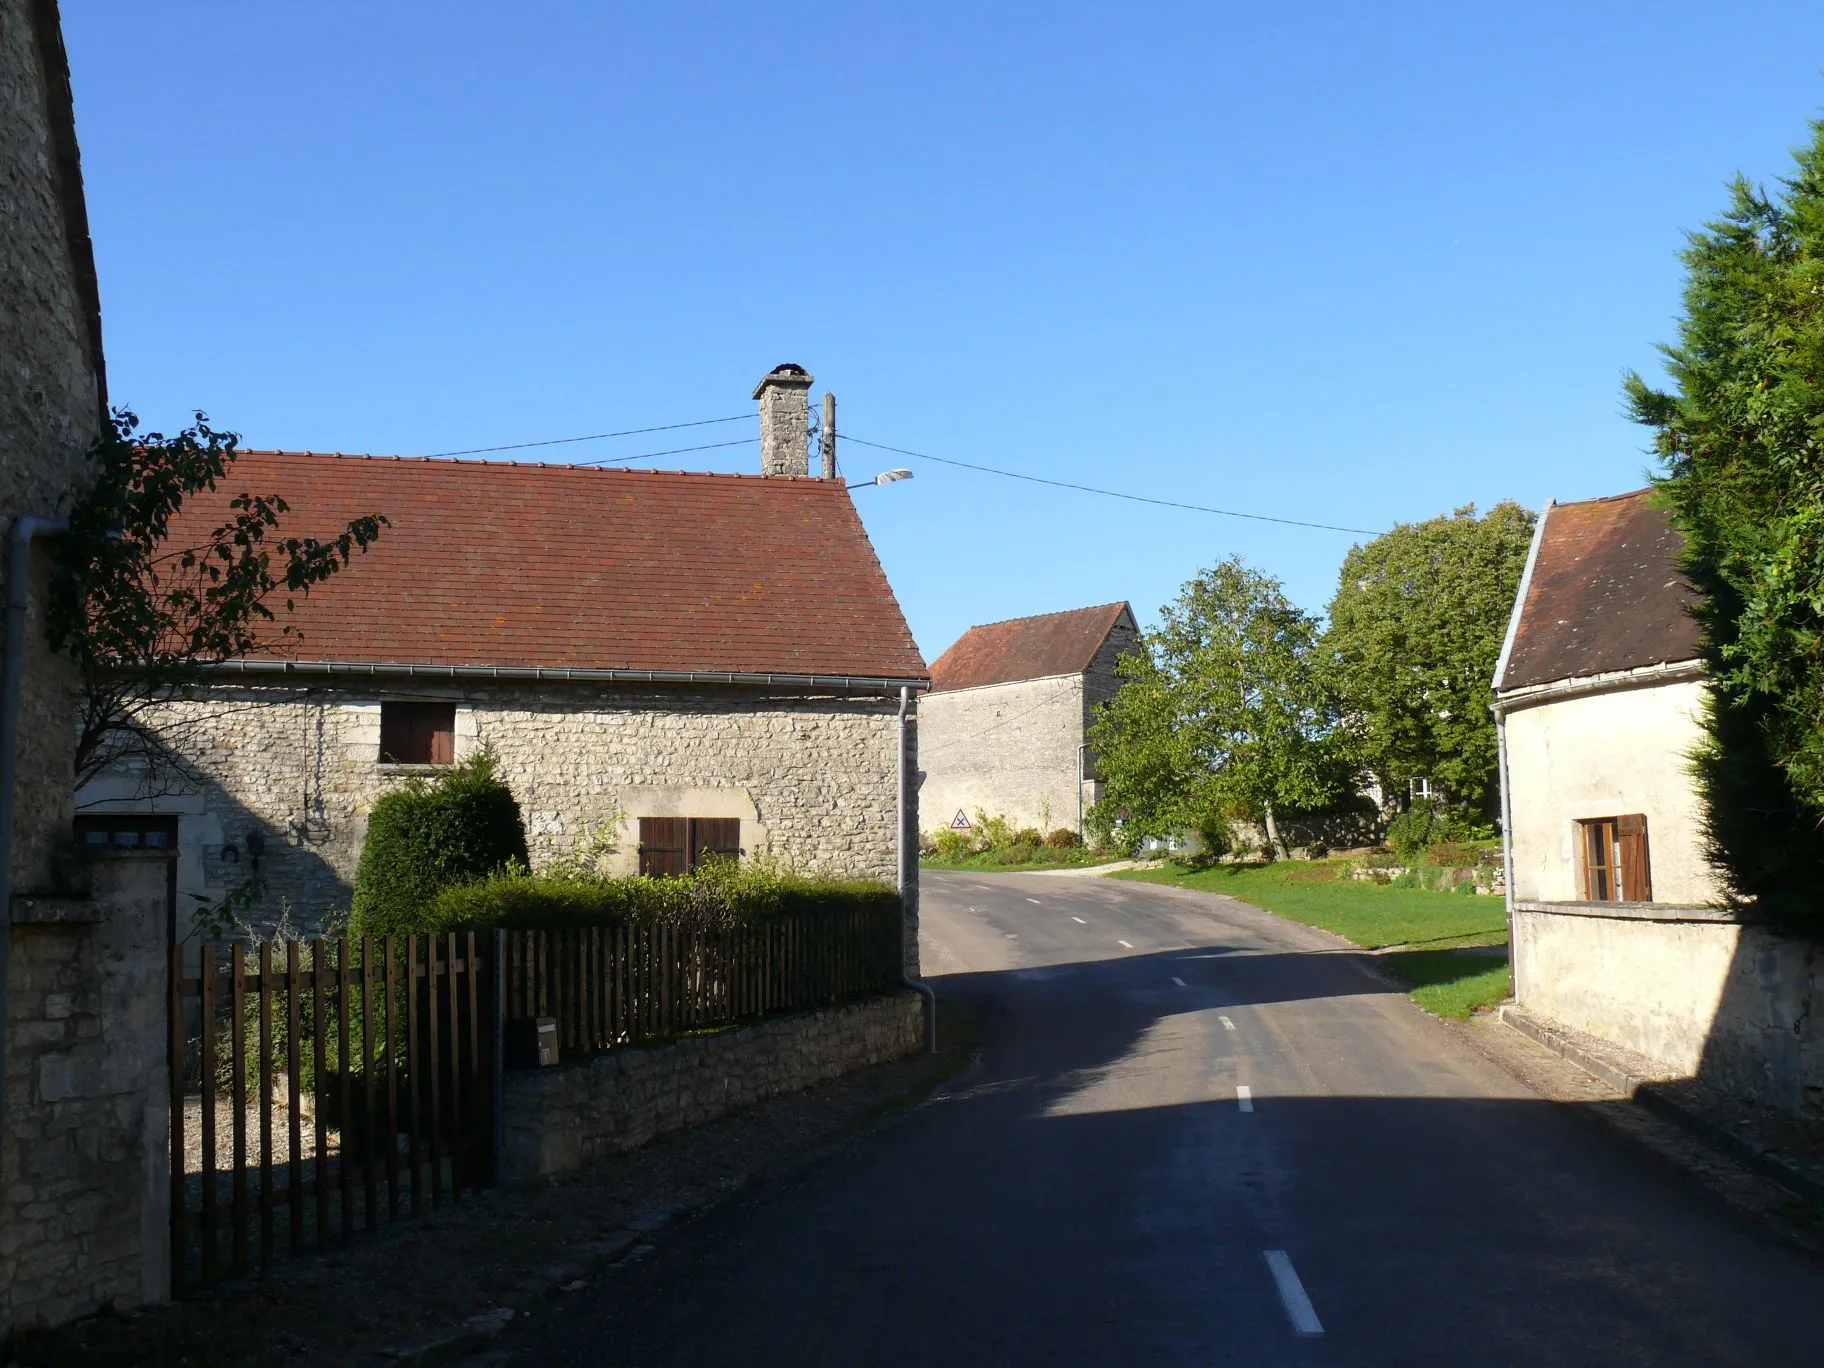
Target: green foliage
<point x="460" y="825"/>
<point x="1415" y="630"/>
<point x="1453" y="855"/>
<point x="1030" y="836"/>
<point x="588" y="858"/>
<point x="717" y="895"/>
<point x="1020" y="852"/>
<point x="1063" y="838"/>
<point x="1741" y="434"/>
<point x="992" y="833"/>
<point x="1419" y="826"/>
<point x="142" y="617"/>
<point x="952" y="845"/>
<point x="1225" y="712"/>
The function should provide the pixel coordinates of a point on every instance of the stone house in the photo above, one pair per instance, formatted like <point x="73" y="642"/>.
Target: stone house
<point x="1619" y="925"/>
<point x="82" y="1095"/>
<point x="686" y="663"/>
<point x="1003" y="728"/>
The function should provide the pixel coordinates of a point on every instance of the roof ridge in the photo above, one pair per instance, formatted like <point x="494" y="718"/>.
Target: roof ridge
<point x="1609" y="498"/>
<point x="1061" y="612"/>
<point x="804" y="480"/>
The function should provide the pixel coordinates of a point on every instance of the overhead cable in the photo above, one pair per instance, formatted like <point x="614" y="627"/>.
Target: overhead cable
<point x="674" y="451"/>
<point x="599" y="437"/>
<point x="1106" y="493"/>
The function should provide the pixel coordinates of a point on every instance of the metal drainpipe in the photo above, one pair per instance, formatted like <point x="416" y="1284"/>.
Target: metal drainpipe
<point x="1507" y="846"/>
<point x="18" y="586"/>
<point x="1080" y="750"/>
<point x="905" y="866"/>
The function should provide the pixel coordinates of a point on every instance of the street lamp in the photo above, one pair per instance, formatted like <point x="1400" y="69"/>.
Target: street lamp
<point x="885" y="477"/>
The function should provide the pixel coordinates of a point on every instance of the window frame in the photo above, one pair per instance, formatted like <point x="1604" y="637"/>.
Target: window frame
<point x="1615" y="851"/>
<point x="408" y="724"/>
<point x="669" y="846"/>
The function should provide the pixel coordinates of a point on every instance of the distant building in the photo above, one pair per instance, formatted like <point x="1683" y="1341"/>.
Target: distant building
<point x="1003" y="729"/>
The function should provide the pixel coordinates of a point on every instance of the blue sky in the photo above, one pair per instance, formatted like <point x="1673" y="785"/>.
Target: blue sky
<point x="1355" y="264"/>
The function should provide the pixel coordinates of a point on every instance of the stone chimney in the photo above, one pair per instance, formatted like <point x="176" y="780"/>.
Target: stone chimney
<point x="785" y="420"/>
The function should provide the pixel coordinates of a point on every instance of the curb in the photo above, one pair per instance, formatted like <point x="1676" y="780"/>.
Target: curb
<point x="1801" y="1179"/>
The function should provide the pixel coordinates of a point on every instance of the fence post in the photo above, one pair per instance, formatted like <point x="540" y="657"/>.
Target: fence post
<point x="496" y="1048"/>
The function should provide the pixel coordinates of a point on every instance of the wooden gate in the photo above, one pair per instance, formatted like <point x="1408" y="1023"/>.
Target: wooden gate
<point x="320" y="1087"/>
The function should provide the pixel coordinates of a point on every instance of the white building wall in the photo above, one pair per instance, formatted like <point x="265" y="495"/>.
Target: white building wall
<point x="1604" y="755"/>
<point x="1004" y="749"/>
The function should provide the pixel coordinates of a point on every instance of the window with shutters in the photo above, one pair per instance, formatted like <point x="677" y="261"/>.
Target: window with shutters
<point x="417" y="733"/>
<point x="1617" y="864"/>
<point x="673" y="845"/>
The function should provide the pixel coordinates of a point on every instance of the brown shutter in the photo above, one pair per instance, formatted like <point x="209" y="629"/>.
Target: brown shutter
<point x="1636" y="862"/>
<point x="663" y="845"/>
<point x="417" y="733"/>
<point x="441" y="743"/>
<point x="714" y="838"/>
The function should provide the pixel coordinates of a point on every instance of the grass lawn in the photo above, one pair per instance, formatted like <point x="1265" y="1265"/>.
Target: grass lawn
<point x="1320" y="893"/>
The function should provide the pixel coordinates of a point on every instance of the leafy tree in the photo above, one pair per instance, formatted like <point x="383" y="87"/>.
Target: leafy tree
<point x="1226" y="712"/>
<point x="144" y="618"/>
<point x="1741" y="433"/>
<point x="1415" y="629"/>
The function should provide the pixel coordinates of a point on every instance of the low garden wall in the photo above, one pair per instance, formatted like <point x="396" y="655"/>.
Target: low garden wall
<point x="558" y="1119"/>
<point x="1693" y="988"/>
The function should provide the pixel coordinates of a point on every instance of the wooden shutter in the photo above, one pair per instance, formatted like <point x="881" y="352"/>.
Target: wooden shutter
<point x="1599" y="883"/>
<point x="664" y="845"/>
<point x="1636" y="884"/>
<point x="713" y="838"/>
<point x="417" y="733"/>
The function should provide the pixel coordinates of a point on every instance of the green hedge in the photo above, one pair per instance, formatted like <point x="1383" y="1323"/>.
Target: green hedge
<point x="722" y="894"/>
<point x="429" y="835"/>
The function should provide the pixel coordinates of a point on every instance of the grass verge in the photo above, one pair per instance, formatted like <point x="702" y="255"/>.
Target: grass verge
<point x="1434" y="924"/>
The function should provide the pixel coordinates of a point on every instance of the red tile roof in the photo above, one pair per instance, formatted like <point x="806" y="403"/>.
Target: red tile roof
<point x="1605" y="594"/>
<point x="505" y="564"/>
<point x="1027" y="648"/>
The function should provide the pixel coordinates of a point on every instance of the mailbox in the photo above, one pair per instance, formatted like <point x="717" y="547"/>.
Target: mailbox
<point x="530" y="1042"/>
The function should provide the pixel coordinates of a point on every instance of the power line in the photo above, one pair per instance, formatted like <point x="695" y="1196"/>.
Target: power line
<point x="674" y="451"/>
<point x="1107" y="493"/>
<point x="598" y="437"/>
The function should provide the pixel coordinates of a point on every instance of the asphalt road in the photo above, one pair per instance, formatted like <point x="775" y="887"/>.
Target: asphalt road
<point x="1201" y="1135"/>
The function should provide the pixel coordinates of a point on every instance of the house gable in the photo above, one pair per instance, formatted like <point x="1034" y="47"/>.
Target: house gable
<point x="1030" y="647"/>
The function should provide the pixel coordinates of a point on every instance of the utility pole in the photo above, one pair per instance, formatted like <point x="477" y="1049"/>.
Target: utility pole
<point x="829" y="435"/>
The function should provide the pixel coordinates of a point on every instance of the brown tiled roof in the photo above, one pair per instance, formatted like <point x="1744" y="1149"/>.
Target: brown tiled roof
<point x="1026" y="648"/>
<point x="505" y="564"/>
<point x="1605" y="594"/>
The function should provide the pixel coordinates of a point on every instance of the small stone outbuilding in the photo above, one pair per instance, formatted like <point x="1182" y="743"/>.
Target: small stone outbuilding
<point x="689" y="663"/>
<point x="1003" y="730"/>
<point x="1620" y="929"/>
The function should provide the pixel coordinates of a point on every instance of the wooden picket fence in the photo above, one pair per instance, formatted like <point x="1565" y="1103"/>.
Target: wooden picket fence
<point x="321" y="1087"/>
<point x="364" y="1071"/>
<point x="617" y="985"/>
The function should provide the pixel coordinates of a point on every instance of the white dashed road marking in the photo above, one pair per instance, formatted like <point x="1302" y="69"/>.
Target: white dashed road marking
<point x="1245" y="1096"/>
<point x="1227" y="1025"/>
<point x="1292" y="1292"/>
<point x="1035" y="900"/>
<point x="1124" y="943"/>
<point x="1013" y="935"/>
<point x="1177" y="980"/>
<point x="1079" y="921"/>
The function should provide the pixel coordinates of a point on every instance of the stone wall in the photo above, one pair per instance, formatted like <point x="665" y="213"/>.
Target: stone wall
<point x="1690" y="987"/>
<point x="1004" y="749"/>
<point x="558" y="1119"/>
<point x="810" y="778"/>
<point x="50" y="387"/>
<point x="84" y="1198"/>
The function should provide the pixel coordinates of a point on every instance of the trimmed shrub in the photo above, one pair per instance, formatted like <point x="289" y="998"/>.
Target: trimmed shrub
<point x="461" y="825"/>
<point x="1414" y="829"/>
<point x="991" y="833"/>
<point x="718" y="895"/>
<point x="1019" y="853"/>
<point x="1063" y="839"/>
<point x="951" y="845"/>
<point x="1031" y="836"/>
